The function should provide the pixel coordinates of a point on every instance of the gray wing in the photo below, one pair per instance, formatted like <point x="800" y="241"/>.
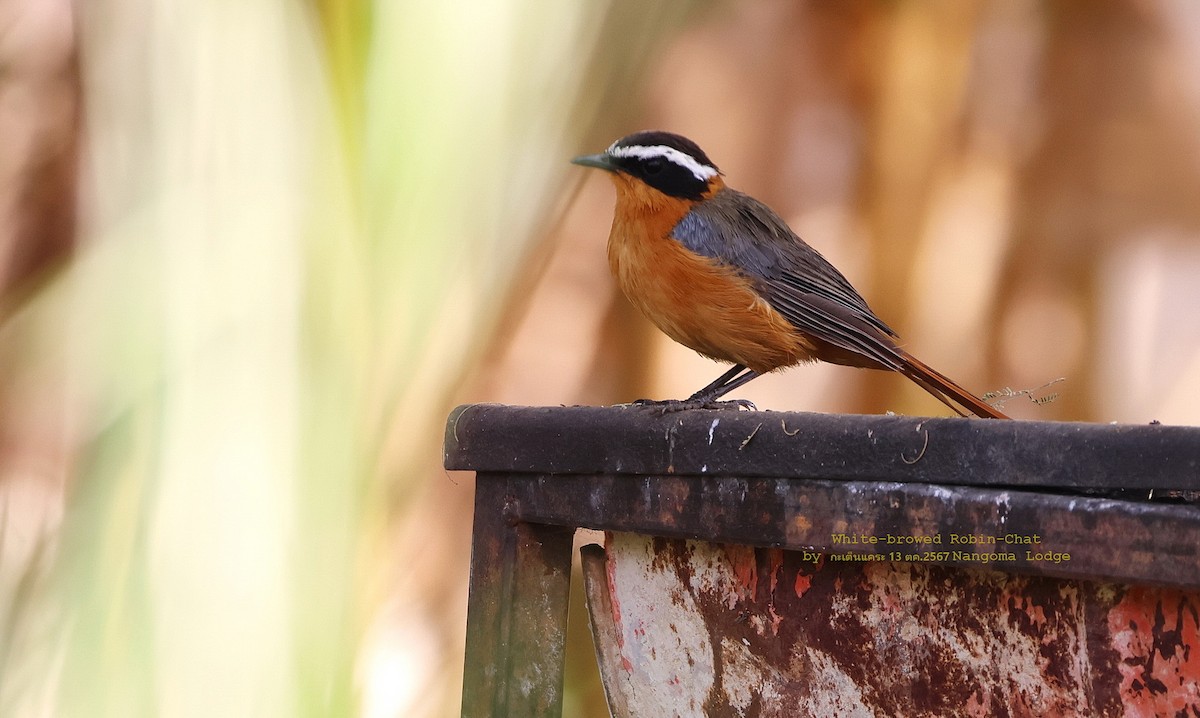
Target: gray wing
<point x="739" y="231"/>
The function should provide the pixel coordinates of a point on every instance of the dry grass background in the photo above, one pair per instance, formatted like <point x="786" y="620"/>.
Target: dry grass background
<point x="252" y="254"/>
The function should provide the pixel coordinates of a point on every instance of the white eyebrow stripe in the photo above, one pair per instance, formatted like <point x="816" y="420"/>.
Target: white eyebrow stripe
<point x="701" y="172"/>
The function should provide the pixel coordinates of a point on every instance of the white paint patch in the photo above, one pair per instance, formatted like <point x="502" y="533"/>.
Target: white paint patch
<point x="666" y="650"/>
<point x="684" y="160"/>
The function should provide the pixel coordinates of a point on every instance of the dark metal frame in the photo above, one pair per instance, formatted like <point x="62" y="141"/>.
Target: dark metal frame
<point x="790" y="480"/>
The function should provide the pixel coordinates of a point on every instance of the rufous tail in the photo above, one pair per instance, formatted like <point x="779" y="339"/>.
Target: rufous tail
<point x="945" y="390"/>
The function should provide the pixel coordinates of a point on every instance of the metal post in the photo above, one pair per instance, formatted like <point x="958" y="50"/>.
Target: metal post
<point x="516" y="609"/>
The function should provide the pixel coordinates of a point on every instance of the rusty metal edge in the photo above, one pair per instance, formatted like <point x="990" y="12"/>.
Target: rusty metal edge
<point x="605" y="636"/>
<point x="1107" y="540"/>
<point x="947" y="451"/>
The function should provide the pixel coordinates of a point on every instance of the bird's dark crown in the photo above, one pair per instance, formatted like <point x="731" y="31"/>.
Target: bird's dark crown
<point x="658" y="138"/>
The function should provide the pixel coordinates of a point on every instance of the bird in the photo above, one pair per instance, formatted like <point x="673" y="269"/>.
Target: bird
<point x="721" y="273"/>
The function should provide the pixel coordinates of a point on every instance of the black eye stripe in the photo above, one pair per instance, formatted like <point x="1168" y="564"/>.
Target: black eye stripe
<point x="666" y="176"/>
<point x="639" y="155"/>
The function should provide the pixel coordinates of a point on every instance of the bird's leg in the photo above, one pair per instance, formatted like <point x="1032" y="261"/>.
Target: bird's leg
<point x="707" y="397"/>
<point x="724" y="384"/>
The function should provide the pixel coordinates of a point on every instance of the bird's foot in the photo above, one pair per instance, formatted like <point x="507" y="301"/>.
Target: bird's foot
<point x="670" y="406"/>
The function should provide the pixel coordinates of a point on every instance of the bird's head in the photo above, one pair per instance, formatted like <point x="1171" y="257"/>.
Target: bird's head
<point x="652" y="167"/>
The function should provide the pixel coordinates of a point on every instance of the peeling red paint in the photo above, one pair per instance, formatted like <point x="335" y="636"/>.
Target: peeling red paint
<point x="609" y="571"/>
<point x="802" y="584"/>
<point x="1157" y="635"/>
<point x="742" y="561"/>
<point x="977" y="705"/>
<point x="775" y="558"/>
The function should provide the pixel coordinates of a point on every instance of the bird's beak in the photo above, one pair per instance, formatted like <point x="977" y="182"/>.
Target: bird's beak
<point x="601" y="161"/>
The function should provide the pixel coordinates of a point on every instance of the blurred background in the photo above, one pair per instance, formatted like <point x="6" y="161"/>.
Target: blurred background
<point x="251" y="255"/>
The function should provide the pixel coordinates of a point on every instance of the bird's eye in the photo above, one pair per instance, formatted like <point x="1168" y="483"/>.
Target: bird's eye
<point x="653" y="165"/>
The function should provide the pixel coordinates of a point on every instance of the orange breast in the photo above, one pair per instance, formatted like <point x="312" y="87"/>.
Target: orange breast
<point x="693" y="299"/>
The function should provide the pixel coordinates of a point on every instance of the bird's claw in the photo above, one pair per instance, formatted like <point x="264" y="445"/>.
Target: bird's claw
<point x="670" y="406"/>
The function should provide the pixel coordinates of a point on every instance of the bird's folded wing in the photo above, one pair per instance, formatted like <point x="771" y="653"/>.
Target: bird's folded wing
<point x="744" y="234"/>
<point x="832" y="321"/>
